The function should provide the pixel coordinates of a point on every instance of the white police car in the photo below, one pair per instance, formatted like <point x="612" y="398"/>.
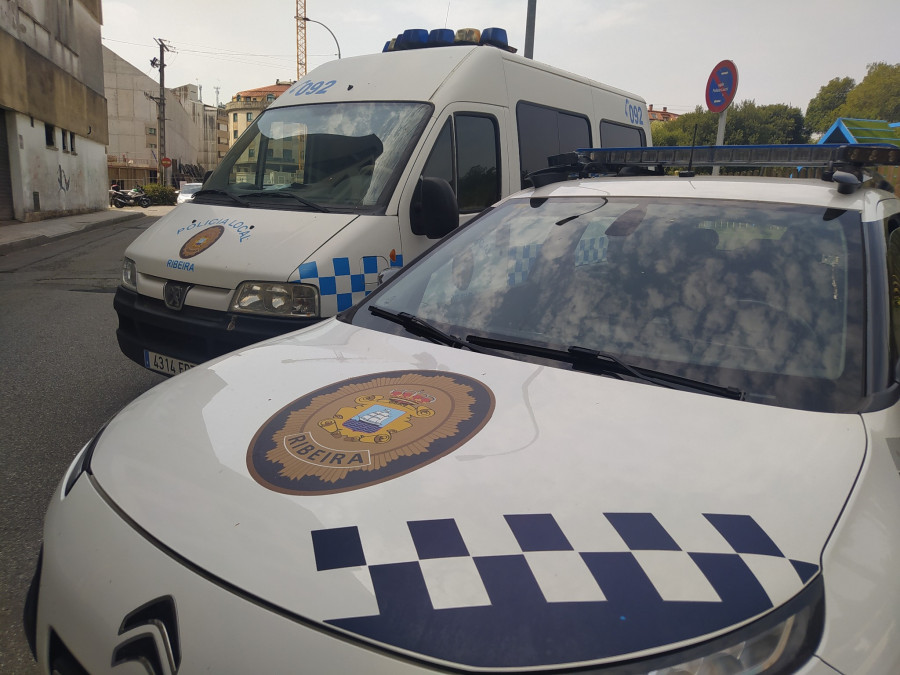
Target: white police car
<point x="613" y="425"/>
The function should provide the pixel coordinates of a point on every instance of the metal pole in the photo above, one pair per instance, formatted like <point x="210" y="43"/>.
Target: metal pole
<point x="529" y="29"/>
<point x="720" y="135"/>
<point x="306" y="18"/>
<point x="161" y="114"/>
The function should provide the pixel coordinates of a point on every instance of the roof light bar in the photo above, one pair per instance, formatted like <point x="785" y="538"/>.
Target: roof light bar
<point x="745" y="155"/>
<point x="417" y="38"/>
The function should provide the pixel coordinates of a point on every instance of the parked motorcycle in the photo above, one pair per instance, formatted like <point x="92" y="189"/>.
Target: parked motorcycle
<point x="134" y="197"/>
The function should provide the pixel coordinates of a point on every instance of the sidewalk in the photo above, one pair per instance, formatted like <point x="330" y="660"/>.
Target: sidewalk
<point x="15" y="236"/>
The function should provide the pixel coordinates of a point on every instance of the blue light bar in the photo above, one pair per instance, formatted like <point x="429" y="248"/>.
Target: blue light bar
<point x="495" y="37"/>
<point x="414" y="38"/>
<point x="441" y="37"/>
<point x="827" y="155"/>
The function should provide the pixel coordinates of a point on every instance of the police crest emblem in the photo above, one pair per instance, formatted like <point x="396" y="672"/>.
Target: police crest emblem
<point x="366" y="430"/>
<point x="200" y="242"/>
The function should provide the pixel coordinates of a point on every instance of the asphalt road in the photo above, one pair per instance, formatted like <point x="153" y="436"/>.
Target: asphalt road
<point x="62" y="377"/>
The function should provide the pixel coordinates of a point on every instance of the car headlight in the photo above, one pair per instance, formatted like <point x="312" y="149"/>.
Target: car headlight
<point x="279" y="299"/>
<point x="129" y="274"/>
<point x="777" y="644"/>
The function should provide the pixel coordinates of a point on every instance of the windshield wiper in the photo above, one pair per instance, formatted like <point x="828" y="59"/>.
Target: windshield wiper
<point x="291" y="195"/>
<point x="216" y="191"/>
<point x="593" y="361"/>
<point x="422" y="328"/>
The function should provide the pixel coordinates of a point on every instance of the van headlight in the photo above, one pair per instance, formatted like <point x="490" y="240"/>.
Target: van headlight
<point x="129" y="274"/>
<point x="276" y="299"/>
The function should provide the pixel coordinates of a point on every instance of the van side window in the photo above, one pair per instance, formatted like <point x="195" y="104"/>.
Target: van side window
<point x="615" y="135"/>
<point x="544" y="132"/>
<point x="477" y="162"/>
<point x="473" y="170"/>
<point x="440" y="161"/>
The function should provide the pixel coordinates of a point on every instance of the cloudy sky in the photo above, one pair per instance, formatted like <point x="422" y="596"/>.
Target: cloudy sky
<point x="784" y="50"/>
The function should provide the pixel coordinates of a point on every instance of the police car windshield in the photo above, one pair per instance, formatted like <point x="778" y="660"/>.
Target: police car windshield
<point x="334" y="156"/>
<point x="765" y="298"/>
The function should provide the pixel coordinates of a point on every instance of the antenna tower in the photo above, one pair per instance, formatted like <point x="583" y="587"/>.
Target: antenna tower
<point x="301" y="38"/>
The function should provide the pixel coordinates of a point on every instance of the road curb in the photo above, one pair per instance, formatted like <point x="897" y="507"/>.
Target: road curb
<point x="33" y="236"/>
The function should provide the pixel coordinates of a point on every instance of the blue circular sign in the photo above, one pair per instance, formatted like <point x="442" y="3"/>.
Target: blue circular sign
<point x="721" y="86"/>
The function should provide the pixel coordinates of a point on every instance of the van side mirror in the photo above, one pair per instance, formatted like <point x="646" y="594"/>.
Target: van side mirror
<point x="433" y="211"/>
<point x="207" y="175"/>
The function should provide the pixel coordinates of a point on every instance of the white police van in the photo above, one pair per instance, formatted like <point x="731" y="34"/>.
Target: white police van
<point x="356" y="169"/>
<point x="635" y="424"/>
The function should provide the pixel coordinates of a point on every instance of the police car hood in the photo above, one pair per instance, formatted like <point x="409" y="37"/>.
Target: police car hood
<point x="475" y="510"/>
<point x="216" y="245"/>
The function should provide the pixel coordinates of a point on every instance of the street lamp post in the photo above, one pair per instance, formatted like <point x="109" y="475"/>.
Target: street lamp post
<point x="306" y="18"/>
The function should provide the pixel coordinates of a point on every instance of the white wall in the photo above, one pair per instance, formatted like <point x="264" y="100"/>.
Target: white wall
<point x="65" y="182"/>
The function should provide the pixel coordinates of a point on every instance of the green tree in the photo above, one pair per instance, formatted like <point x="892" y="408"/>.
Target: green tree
<point x="746" y="124"/>
<point x="822" y="110"/>
<point x="877" y="97"/>
<point x="750" y="124"/>
<point x="681" y="131"/>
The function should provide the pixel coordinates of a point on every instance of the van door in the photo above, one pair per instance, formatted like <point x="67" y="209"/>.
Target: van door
<point x="466" y="149"/>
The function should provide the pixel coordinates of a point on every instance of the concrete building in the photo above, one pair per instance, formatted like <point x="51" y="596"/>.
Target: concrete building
<point x="194" y="136"/>
<point x="245" y="106"/>
<point x="53" y="124"/>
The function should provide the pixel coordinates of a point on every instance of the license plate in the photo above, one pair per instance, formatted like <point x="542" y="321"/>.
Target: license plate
<point x="165" y="364"/>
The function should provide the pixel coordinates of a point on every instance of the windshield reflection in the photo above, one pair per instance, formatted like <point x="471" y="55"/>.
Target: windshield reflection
<point x="763" y="297"/>
<point x="338" y="155"/>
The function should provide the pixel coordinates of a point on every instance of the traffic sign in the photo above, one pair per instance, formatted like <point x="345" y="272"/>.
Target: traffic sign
<point x="721" y="86"/>
<point x="166" y="162"/>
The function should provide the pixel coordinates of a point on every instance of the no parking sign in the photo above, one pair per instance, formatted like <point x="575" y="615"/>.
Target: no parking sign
<point x="721" y="86"/>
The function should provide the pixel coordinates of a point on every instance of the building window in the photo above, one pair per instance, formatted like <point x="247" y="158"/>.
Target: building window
<point x="65" y="140"/>
<point x="72" y="141"/>
<point x="270" y="98"/>
<point x="234" y="116"/>
<point x="151" y="131"/>
<point x="249" y="117"/>
<point x="235" y="133"/>
<point x="50" y="135"/>
<point x="251" y="152"/>
<point x="151" y="145"/>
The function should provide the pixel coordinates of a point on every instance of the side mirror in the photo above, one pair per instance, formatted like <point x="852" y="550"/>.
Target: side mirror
<point x="387" y="274"/>
<point x="433" y="211"/>
<point x="207" y="175"/>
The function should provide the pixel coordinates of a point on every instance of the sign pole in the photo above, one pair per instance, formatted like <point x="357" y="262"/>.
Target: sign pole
<point x="720" y="136"/>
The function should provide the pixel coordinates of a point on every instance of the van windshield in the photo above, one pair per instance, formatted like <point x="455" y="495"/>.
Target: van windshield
<point x="330" y="156"/>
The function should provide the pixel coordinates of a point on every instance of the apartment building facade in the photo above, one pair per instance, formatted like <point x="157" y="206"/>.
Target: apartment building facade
<point x="53" y="123"/>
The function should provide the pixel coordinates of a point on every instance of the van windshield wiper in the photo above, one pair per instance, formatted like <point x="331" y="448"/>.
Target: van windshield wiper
<point x="290" y="195"/>
<point x="422" y="328"/>
<point x="602" y="363"/>
<point x="216" y="191"/>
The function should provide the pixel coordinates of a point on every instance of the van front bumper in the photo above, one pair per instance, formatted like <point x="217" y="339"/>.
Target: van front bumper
<point x="192" y="334"/>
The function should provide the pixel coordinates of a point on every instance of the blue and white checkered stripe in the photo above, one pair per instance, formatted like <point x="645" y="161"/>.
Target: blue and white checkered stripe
<point x="590" y="251"/>
<point x="339" y="287"/>
<point x="545" y="602"/>
<point x="521" y="258"/>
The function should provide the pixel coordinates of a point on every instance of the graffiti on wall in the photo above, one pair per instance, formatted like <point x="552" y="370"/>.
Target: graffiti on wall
<point x="63" y="180"/>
